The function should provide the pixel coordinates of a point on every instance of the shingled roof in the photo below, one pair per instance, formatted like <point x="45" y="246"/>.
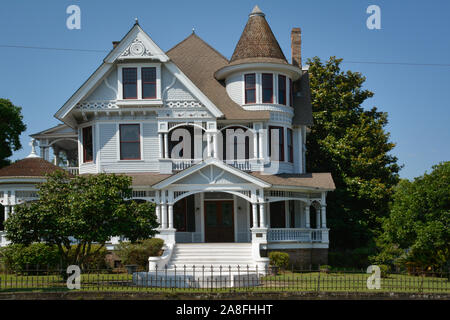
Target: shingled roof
<point x="199" y="61"/>
<point x="29" y="167"/>
<point x="257" y="42"/>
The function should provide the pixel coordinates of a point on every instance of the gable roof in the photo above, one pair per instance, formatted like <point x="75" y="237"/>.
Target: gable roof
<point x="121" y="50"/>
<point x="29" y="167"/>
<point x="199" y="61"/>
<point x="257" y="42"/>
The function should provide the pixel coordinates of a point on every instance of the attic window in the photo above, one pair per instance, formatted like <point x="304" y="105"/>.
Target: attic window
<point x="129" y="79"/>
<point x="149" y="83"/>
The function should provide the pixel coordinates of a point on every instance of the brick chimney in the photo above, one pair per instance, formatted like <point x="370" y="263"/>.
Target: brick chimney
<point x="115" y="43"/>
<point x="296" y="47"/>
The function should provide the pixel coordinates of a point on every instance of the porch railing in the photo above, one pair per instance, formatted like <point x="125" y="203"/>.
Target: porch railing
<point x="294" y="234"/>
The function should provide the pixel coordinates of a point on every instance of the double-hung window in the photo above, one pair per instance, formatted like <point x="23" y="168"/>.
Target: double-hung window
<point x="267" y="88"/>
<point x="278" y="143"/>
<point x="281" y="89"/>
<point x="149" y="83"/>
<point x="129" y="80"/>
<point x="250" y="88"/>
<point x="88" y="148"/>
<point x="290" y="145"/>
<point x="130" y="142"/>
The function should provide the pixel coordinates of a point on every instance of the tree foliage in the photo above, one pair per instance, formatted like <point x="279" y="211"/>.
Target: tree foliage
<point x="88" y="208"/>
<point x="11" y="126"/>
<point x="352" y="144"/>
<point x="417" y="230"/>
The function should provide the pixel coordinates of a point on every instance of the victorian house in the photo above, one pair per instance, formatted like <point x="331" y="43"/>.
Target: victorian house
<point x="217" y="144"/>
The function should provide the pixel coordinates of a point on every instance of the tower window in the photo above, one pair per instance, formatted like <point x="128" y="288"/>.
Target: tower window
<point x="250" y="88"/>
<point x="267" y="88"/>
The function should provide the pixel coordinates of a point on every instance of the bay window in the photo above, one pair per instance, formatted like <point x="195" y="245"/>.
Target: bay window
<point x="291" y="93"/>
<point x="130" y="142"/>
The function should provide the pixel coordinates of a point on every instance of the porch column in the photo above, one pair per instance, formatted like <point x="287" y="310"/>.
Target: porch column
<point x="161" y="145"/>
<point x="255" y="215"/>
<point x="166" y="145"/>
<point x="158" y="208"/>
<point x="208" y="145"/>
<point x="318" y="218"/>
<point x="262" y="215"/>
<point x="324" y="216"/>
<point x="215" y="147"/>
<point x="261" y="142"/>
<point x="255" y="144"/>
<point x="6" y="212"/>
<point x="163" y="210"/>
<point x="170" y="206"/>
<point x="308" y="224"/>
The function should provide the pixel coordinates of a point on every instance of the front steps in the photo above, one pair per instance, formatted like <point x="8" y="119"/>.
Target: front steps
<point x="215" y="256"/>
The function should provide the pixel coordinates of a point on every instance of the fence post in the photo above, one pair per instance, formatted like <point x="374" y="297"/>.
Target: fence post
<point x="318" y="281"/>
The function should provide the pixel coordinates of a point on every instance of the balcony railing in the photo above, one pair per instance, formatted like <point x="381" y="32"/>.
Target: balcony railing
<point x="294" y="234"/>
<point x="72" y="170"/>
<point x="243" y="165"/>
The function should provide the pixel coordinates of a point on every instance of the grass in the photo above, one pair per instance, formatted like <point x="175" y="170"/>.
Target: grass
<point x="287" y="281"/>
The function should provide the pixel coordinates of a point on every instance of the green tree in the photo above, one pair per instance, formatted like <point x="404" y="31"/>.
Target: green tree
<point x="88" y="208"/>
<point x="11" y="126"/>
<point x="417" y="230"/>
<point x="351" y="143"/>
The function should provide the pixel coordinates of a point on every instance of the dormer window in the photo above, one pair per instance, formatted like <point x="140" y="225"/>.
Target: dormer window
<point x="281" y="89"/>
<point x="149" y="83"/>
<point x="129" y="81"/>
<point x="267" y="88"/>
<point x="250" y="88"/>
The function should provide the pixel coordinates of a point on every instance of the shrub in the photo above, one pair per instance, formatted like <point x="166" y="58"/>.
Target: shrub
<point x="279" y="259"/>
<point x="96" y="259"/>
<point x="139" y="252"/>
<point x="19" y="258"/>
<point x="384" y="270"/>
<point x="325" y="268"/>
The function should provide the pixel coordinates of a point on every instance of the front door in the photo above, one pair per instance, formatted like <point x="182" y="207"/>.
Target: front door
<point x="219" y="221"/>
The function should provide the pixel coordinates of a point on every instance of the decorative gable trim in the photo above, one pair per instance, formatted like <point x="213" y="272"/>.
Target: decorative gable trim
<point x="210" y="162"/>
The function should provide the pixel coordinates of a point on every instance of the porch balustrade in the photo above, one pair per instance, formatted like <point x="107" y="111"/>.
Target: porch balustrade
<point x="3" y="240"/>
<point x="294" y="234"/>
<point x="188" y="237"/>
<point x="181" y="164"/>
<point x="243" y="165"/>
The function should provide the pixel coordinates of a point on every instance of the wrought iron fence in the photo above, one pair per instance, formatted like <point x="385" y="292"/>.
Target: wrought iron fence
<point x="225" y="278"/>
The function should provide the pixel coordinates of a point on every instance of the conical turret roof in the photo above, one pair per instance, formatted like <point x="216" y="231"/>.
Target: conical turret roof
<point x="257" y="42"/>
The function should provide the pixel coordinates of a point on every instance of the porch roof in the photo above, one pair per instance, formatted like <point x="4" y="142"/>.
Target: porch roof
<point x="141" y="179"/>
<point x="322" y="181"/>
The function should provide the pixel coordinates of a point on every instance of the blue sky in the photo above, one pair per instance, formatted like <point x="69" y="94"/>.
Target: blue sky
<point x="415" y="97"/>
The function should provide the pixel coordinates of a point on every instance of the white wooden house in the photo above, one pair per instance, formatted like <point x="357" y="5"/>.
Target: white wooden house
<point x="217" y="144"/>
